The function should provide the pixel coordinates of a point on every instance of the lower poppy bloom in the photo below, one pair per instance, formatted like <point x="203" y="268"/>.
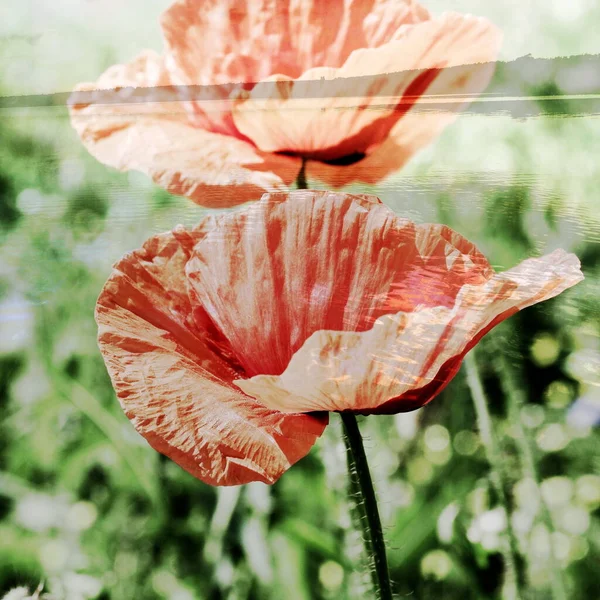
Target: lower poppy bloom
<point x="228" y="344"/>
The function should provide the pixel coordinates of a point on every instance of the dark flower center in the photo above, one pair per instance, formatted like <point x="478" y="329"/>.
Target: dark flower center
<point x="341" y="161"/>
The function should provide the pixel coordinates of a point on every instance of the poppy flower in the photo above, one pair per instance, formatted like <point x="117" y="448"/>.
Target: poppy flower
<point x="245" y="91"/>
<point x="229" y="344"/>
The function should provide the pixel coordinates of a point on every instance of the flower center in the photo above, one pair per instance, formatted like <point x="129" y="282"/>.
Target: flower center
<point x="341" y="161"/>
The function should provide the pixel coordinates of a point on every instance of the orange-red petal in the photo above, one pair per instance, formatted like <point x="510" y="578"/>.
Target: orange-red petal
<point x="173" y="378"/>
<point x="329" y="113"/>
<point x="407" y="358"/>
<point x="241" y="42"/>
<point x="292" y="264"/>
<point x="146" y="128"/>
<point x="224" y="41"/>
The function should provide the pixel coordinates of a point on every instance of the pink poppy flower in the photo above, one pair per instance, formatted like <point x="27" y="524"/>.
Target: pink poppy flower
<point x="228" y="344"/>
<point x="343" y="85"/>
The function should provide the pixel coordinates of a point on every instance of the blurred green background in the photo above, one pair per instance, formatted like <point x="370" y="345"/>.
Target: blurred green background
<point x="87" y="507"/>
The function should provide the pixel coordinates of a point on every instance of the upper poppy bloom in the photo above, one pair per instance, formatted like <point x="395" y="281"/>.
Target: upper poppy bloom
<point x="228" y="344"/>
<point x="247" y="90"/>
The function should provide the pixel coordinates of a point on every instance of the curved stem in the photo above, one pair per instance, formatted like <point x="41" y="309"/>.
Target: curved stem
<point x="361" y="487"/>
<point x="484" y="421"/>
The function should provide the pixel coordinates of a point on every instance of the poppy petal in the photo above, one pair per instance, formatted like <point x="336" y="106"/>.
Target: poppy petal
<point x="454" y="87"/>
<point x="228" y="45"/>
<point x="174" y="384"/>
<point x="292" y="264"/>
<point x="224" y="41"/>
<point x="407" y="358"/>
<point x="330" y="113"/>
<point x="127" y="126"/>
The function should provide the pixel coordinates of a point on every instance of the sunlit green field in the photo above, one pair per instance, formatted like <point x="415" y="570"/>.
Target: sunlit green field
<point x="87" y="507"/>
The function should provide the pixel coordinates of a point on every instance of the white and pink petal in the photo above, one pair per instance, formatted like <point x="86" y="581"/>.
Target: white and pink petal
<point x="174" y="380"/>
<point x="330" y="113"/>
<point x="407" y="358"/>
<point x="133" y="119"/>
<point x="292" y="264"/>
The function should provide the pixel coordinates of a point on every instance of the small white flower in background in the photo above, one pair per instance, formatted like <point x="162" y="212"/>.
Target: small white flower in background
<point x="16" y="323"/>
<point x="22" y="593"/>
<point x="71" y="174"/>
<point x="79" y="586"/>
<point x="407" y="424"/>
<point x="71" y="586"/>
<point x="40" y="512"/>
<point x="32" y="202"/>
<point x="487" y="527"/>
<point x="493" y="521"/>
<point x="585" y="411"/>
<point x="445" y="523"/>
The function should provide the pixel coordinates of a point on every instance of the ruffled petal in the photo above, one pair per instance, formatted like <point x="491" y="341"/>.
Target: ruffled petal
<point x="172" y="373"/>
<point x="443" y="263"/>
<point x="331" y="113"/>
<point x="235" y="43"/>
<point x="407" y="358"/>
<point x="292" y="264"/>
<point x="222" y="41"/>
<point x="146" y="128"/>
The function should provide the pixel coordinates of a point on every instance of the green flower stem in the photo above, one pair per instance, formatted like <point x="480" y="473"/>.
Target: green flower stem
<point x="516" y="399"/>
<point x="361" y="488"/>
<point x="513" y="581"/>
<point x="301" y="183"/>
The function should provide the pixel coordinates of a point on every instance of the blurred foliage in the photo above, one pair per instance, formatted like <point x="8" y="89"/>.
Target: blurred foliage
<point x="87" y="507"/>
